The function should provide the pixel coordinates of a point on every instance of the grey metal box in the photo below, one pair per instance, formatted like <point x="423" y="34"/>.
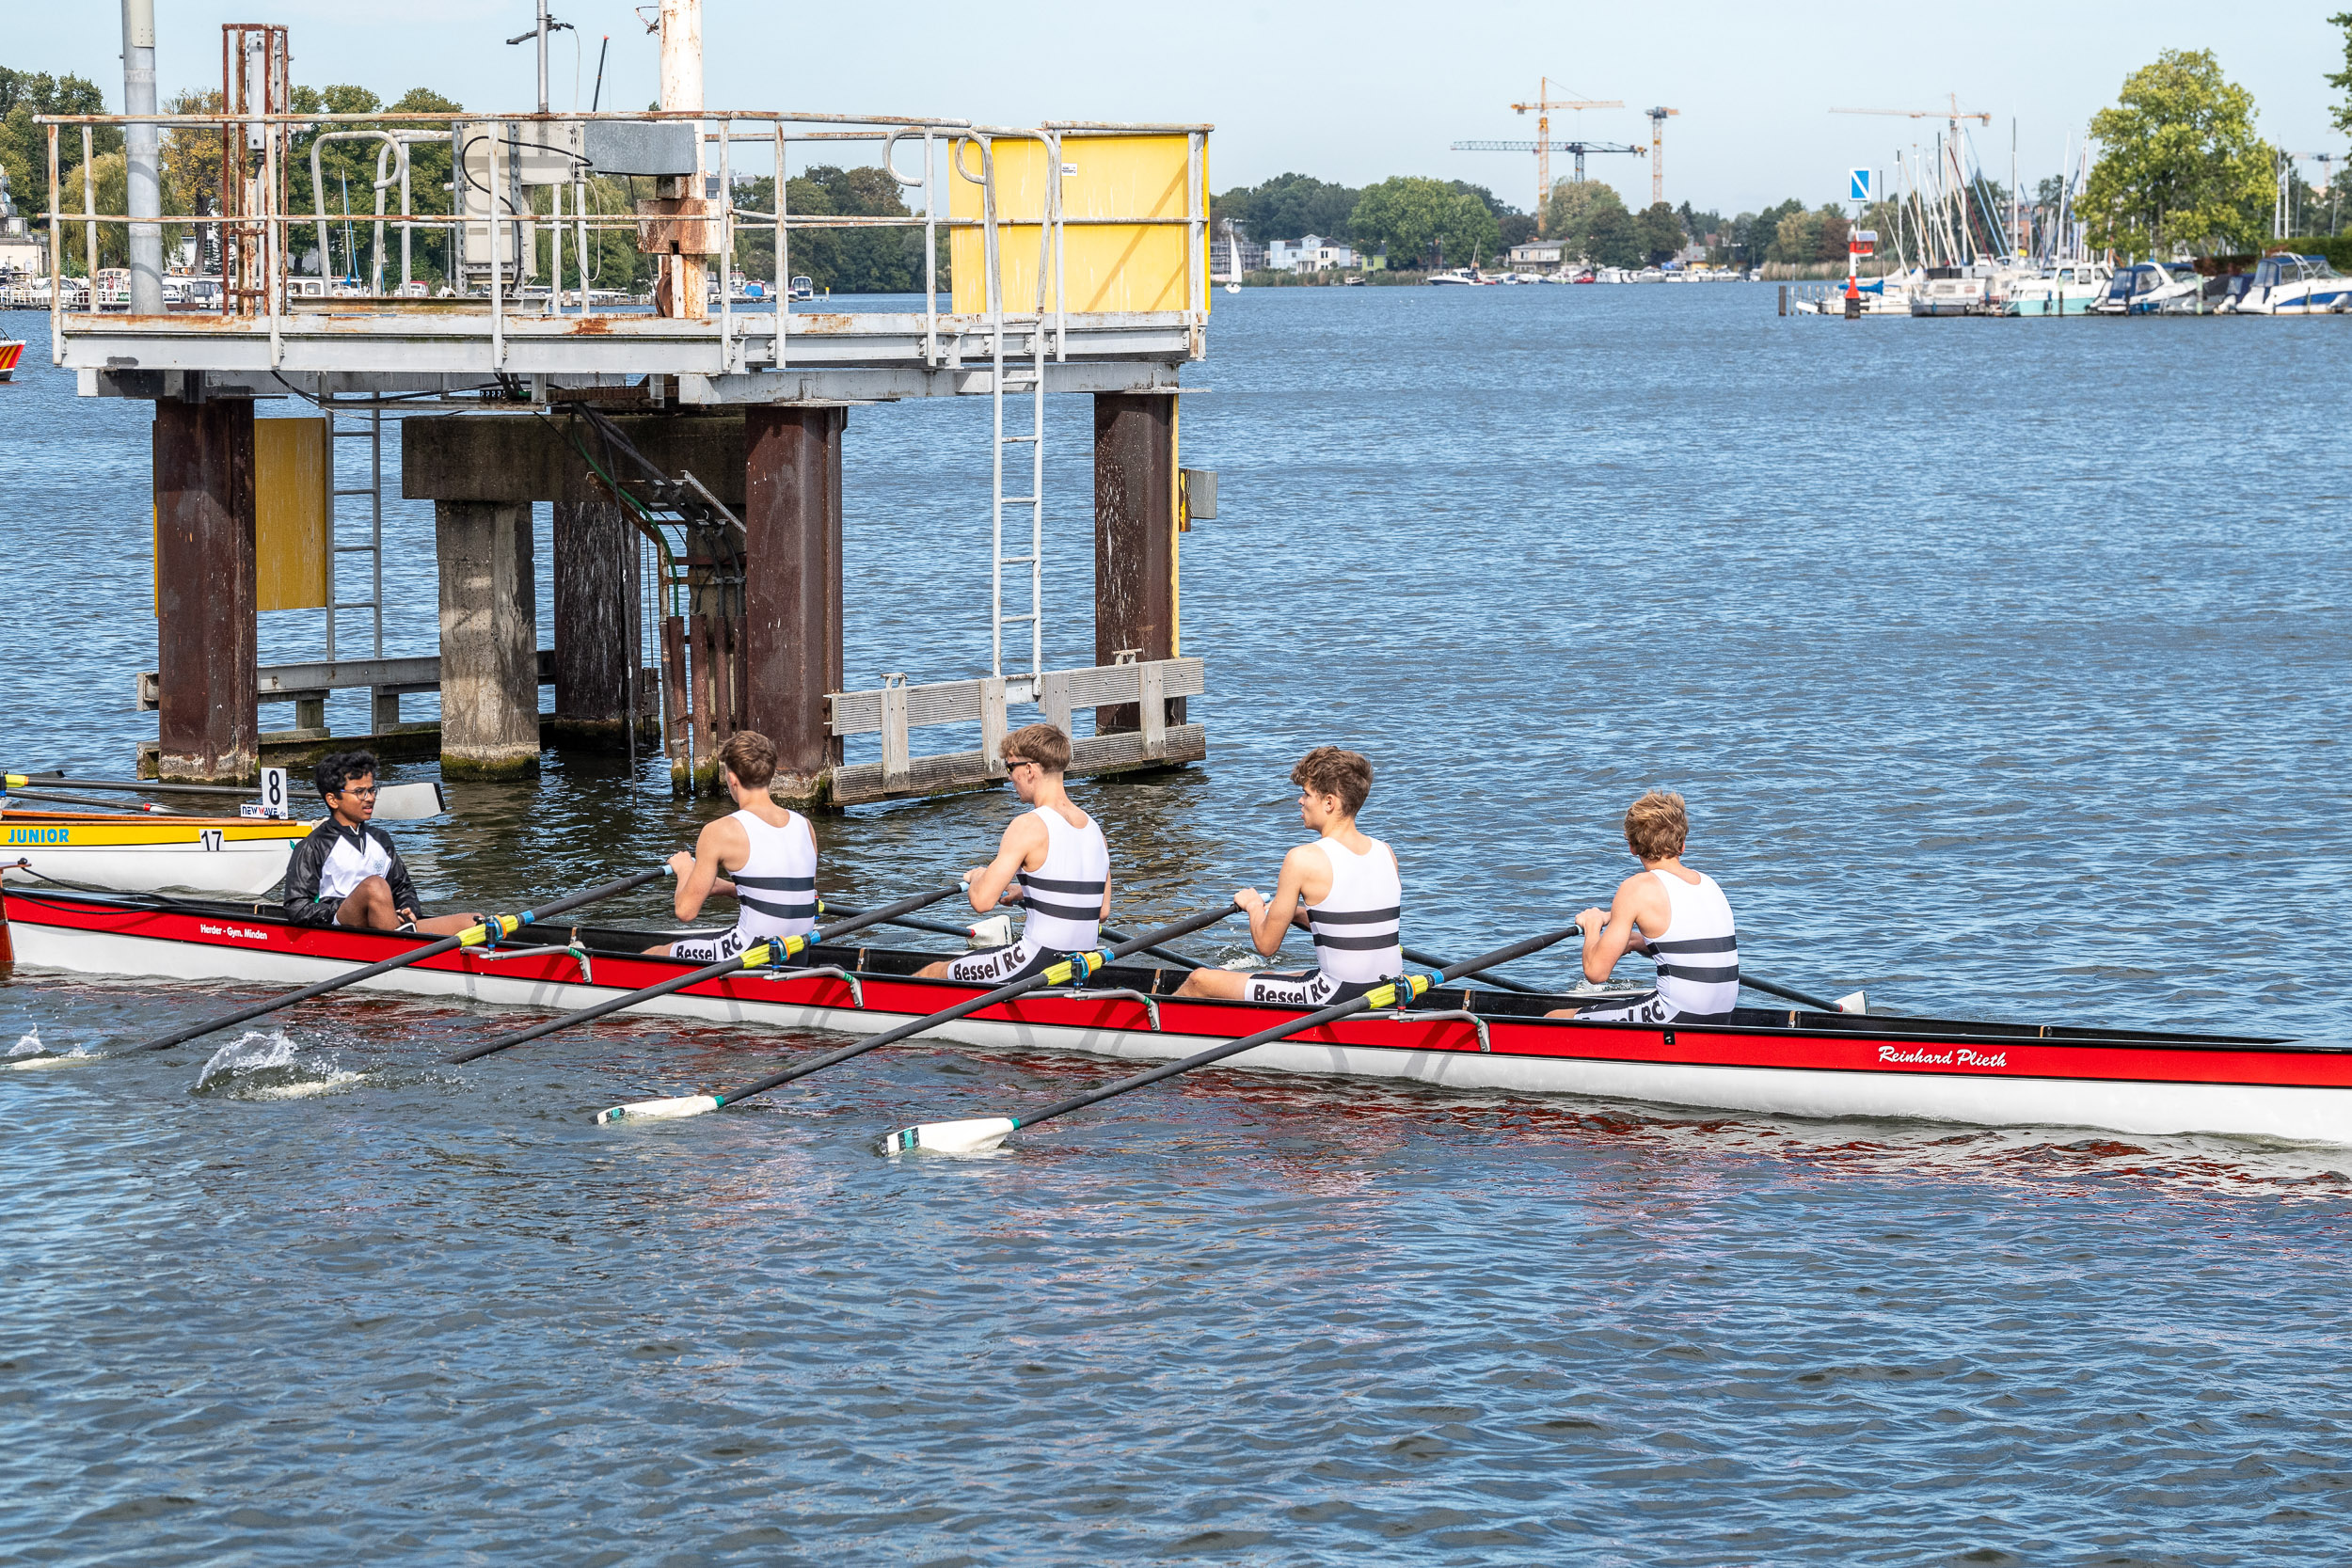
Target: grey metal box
<point x="1200" y="493"/>
<point x="641" y="147"/>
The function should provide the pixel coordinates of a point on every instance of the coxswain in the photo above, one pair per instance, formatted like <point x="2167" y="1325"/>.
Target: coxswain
<point x="1342" y="887"/>
<point x="1670" y="912"/>
<point x="1052" y="859"/>
<point x="348" y="872"/>
<point x="763" y="855"/>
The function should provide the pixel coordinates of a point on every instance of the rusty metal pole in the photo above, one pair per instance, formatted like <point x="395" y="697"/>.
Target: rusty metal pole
<point x="679" y="290"/>
<point x="1135" y="539"/>
<point x="209" y="726"/>
<point x="792" y="588"/>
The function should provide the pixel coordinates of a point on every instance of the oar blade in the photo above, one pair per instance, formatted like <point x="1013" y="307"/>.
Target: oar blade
<point x="658" y="1110"/>
<point x="951" y="1137"/>
<point x="1853" y="1001"/>
<point x="27" y="1064"/>
<point x="410" y="802"/>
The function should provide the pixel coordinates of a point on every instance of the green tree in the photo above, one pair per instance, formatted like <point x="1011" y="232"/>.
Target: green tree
<point x="840" y="260"/>
<point x="25" y="146"/>
<point x="1835" y="233"/>
<point x="2340" y="116"/>
<point x="1611" y="237"/>
<point x="1287" y="207"/>
<point x="1796" y="237"/>
<point x="2179" y="164"/>
<point x="1418" y="218"/>
<point x="1570" y="213"/>
<point x="1659" y="233"/>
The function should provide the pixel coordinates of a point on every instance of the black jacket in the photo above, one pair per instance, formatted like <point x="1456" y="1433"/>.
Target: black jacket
<point x="309" y="864"/>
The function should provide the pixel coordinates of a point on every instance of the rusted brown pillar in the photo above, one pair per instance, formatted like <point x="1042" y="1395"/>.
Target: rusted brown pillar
<point x="210" y="727"/>
<point x="1134" y="538"/>
<point x="489" y="640"/>
<point x="597" y="624"/>
<point x="792" y="587"/>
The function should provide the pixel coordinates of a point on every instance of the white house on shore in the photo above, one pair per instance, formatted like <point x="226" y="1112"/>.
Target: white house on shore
<point x="1537" y="253"/>
<point x="1309" y="253"/>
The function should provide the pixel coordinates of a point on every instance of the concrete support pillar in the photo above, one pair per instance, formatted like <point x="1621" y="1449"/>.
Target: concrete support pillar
<point x="792" y="586"/>
<point x="597" y="628"/>
<point x="1135" y="539"/>
<point x="209" y="724"/>
<point x="489" y="640"/>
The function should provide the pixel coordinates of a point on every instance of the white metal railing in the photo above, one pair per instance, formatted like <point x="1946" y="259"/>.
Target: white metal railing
<point x="894" y="708"/>
<point x="738" y="339"/>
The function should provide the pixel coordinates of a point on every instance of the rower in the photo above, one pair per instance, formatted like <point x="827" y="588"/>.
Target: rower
<point x="348" y="872"/>
<point x="1056" y="854"/>
<point x="762" y="854"/>
<point x="1672" y="913"/>
<point x="1344" y="887"/>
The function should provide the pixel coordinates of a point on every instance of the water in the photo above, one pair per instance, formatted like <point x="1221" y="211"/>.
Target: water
<point x="2004" y="666"/>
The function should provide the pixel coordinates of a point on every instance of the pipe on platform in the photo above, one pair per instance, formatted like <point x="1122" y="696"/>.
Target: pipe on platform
<point x="139" y="144"/>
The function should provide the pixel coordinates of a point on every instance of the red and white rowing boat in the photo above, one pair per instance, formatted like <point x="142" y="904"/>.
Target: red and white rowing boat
<point x="12" y="350"/>
<point x="1772" y="1060"/>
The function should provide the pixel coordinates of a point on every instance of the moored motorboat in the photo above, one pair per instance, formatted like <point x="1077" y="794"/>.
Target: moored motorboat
<point x="1773" y="1060"/>
<point x="241" y="856"/>
<point x="2286" y="285"/>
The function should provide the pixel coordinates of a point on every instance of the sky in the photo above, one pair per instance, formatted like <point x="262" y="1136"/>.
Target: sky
<point x="1355" y="95"/>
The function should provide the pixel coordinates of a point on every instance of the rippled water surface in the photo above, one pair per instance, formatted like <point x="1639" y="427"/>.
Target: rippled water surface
<point x="2004" y="665"/>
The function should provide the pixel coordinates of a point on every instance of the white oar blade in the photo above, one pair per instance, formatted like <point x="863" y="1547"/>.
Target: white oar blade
<point x="410" y="802"/>
<point x="951" y="1137"/>
<point x="1852" y="1003"/>
<point x="26" y="1063"/>
<point x="659" y="1110"/>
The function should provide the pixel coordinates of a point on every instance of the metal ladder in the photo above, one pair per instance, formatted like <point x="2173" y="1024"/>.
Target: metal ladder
<point x="383" y="707"/>
<point x="1021" y="377"/>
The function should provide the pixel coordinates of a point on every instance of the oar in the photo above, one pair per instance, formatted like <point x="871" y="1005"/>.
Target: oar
<point x="75" y="801"/>
<point x="1415" y="954"/>
<point x="757" y="956"/>
<point x="1078" y="966"/>
<point x="941" y="928"/>
<point x="472" y="936"/>
<point x="971" y="1138"/>
<point x="1818" y="1004"/>
<point x="400" y="802"/>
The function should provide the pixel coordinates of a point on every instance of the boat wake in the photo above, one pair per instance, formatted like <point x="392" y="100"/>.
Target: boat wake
<point x="28" y="1051"/>
<point x="259" y="1066"/>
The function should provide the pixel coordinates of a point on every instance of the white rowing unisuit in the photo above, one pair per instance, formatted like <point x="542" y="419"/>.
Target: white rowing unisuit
<point x="1698" y="958"/>
<point x="1357" y="930"/>
<point x="1061" y="903"/>
<point x="776" y="890"/>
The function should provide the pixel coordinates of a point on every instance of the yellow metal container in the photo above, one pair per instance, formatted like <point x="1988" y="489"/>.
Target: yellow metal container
<point x="1118" y="266"/>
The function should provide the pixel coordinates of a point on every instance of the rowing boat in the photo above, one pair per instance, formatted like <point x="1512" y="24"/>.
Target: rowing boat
<point x="134" y="853"/>
<point x="1773" y="1060"/>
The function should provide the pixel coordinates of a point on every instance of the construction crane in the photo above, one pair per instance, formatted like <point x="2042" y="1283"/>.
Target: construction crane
<point x="1543" y="151"/>
<point x="1658" y="153"/>
<point x="1543" y="107"/>
<point x="1954" y="113"/>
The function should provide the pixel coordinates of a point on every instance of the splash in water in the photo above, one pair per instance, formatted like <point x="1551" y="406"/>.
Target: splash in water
<point x="259" y="1066"/>
<point x="28" y="1044"/>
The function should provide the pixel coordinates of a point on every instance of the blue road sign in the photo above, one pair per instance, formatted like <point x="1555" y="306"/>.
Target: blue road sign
<point x="1857" y="184"/>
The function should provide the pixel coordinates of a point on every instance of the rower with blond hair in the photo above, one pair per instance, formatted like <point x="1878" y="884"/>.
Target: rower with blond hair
<point x="1670" y="912"/>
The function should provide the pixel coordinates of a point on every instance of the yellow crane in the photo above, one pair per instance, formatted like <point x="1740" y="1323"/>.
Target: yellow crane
<point x="1658" y="153"/>
<point x="1542" y="107"/>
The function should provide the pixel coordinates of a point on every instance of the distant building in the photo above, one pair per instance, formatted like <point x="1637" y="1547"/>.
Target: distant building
<point x="1309" y="253"/>
<point x="1253" y="257"/>
<point x="1535" y="253"/>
